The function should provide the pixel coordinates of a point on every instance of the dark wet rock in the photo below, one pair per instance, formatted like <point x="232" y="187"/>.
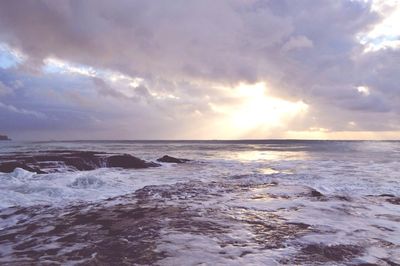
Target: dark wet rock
<point x="128" y="161"/>
<point x="181" y="191"/>
<point x="9" y="167"/>
<point x="390" y="217"/>
<point x="197" y="225"/>
<point x="146" y="226"/>
<point x="81" y="160"/>
<point x="394" y="200"/>
<point x="4" y="137"/>
<point x="64" y="160"/>
<point x="104" y="233"/>
<point x="391" y="263"/>
<point x="302" y="226"/>
<point x="343" y="198"/>
<point x="323" y="253"/>
<point x="387" y="195"/>
<point x="383" y="228"/>
<point x="273" y="233"/>
<point x="316" y="193"/>
<point x="120" y="231"/>
<point x="119" y="235"/>
<point x="244" y="253"/>
<point x="170" y="159"/>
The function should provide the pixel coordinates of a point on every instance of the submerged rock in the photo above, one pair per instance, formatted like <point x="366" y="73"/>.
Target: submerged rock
<point x="170" y="159"/>
<point x="388" y="198"/>
<point x="394" y="200"/>
<point x="9" y="167"/>
<point x="321" y="253"/>
<point x="387" y="195"/>
<point x="4" y="137"/>
<point x="316" y="193"/>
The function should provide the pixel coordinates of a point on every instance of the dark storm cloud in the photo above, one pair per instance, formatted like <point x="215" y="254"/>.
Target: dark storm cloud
<point x="304" y="50"/>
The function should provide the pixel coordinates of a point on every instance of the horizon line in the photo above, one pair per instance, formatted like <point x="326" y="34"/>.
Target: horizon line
<point x="199" y="140"/>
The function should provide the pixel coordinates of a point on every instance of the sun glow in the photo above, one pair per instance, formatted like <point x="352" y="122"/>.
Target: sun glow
<point x="257" y="112"/>
<point x="363" y="90"/>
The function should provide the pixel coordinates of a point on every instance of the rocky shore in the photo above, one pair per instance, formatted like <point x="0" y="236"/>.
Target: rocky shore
<point x="52" y="161"/>
<point x="4" y="137"/>
<point x="99" y="204"/>
<point x="162" y="225"/>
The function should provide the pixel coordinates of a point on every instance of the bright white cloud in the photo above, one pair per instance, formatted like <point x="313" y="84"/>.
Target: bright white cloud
<point x="10" y="57"/>
<point x="363" y="90"/>
<point x="385" y="34"/>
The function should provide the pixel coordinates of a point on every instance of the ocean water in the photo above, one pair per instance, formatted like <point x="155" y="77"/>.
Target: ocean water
<point x="237" y="202"/>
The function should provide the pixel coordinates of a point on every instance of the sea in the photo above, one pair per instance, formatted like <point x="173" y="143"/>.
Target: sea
<point x="239" y="202"/>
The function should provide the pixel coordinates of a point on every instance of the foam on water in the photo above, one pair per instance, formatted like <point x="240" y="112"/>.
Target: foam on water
<point x="23" y="188"/>
<point x="236" y="203"/>
<point x="251" y="220"/>
<point x="337" y="168"/>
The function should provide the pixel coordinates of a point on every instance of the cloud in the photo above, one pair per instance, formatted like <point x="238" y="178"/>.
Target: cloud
<point x="4" y="90"/>
<point x="161" y="65"/>
<point x="22" y="111"/>
<point x="297" y="42"/>
<point x="104" y="89"/>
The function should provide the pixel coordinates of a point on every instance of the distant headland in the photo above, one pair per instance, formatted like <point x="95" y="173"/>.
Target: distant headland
<point x="4" y="137"/>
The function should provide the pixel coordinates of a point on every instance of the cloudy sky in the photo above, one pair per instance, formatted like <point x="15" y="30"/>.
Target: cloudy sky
<point x="206" y="69"/>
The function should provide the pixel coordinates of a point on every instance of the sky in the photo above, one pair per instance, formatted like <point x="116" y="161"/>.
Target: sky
<point x="237" y="69"/>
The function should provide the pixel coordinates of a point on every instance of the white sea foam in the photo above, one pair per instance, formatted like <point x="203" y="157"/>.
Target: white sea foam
<point x="366" y="222"/>
<point x="240" y="198"/>
<point x="21" y="174"/>
<point x="355" y="169"/>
